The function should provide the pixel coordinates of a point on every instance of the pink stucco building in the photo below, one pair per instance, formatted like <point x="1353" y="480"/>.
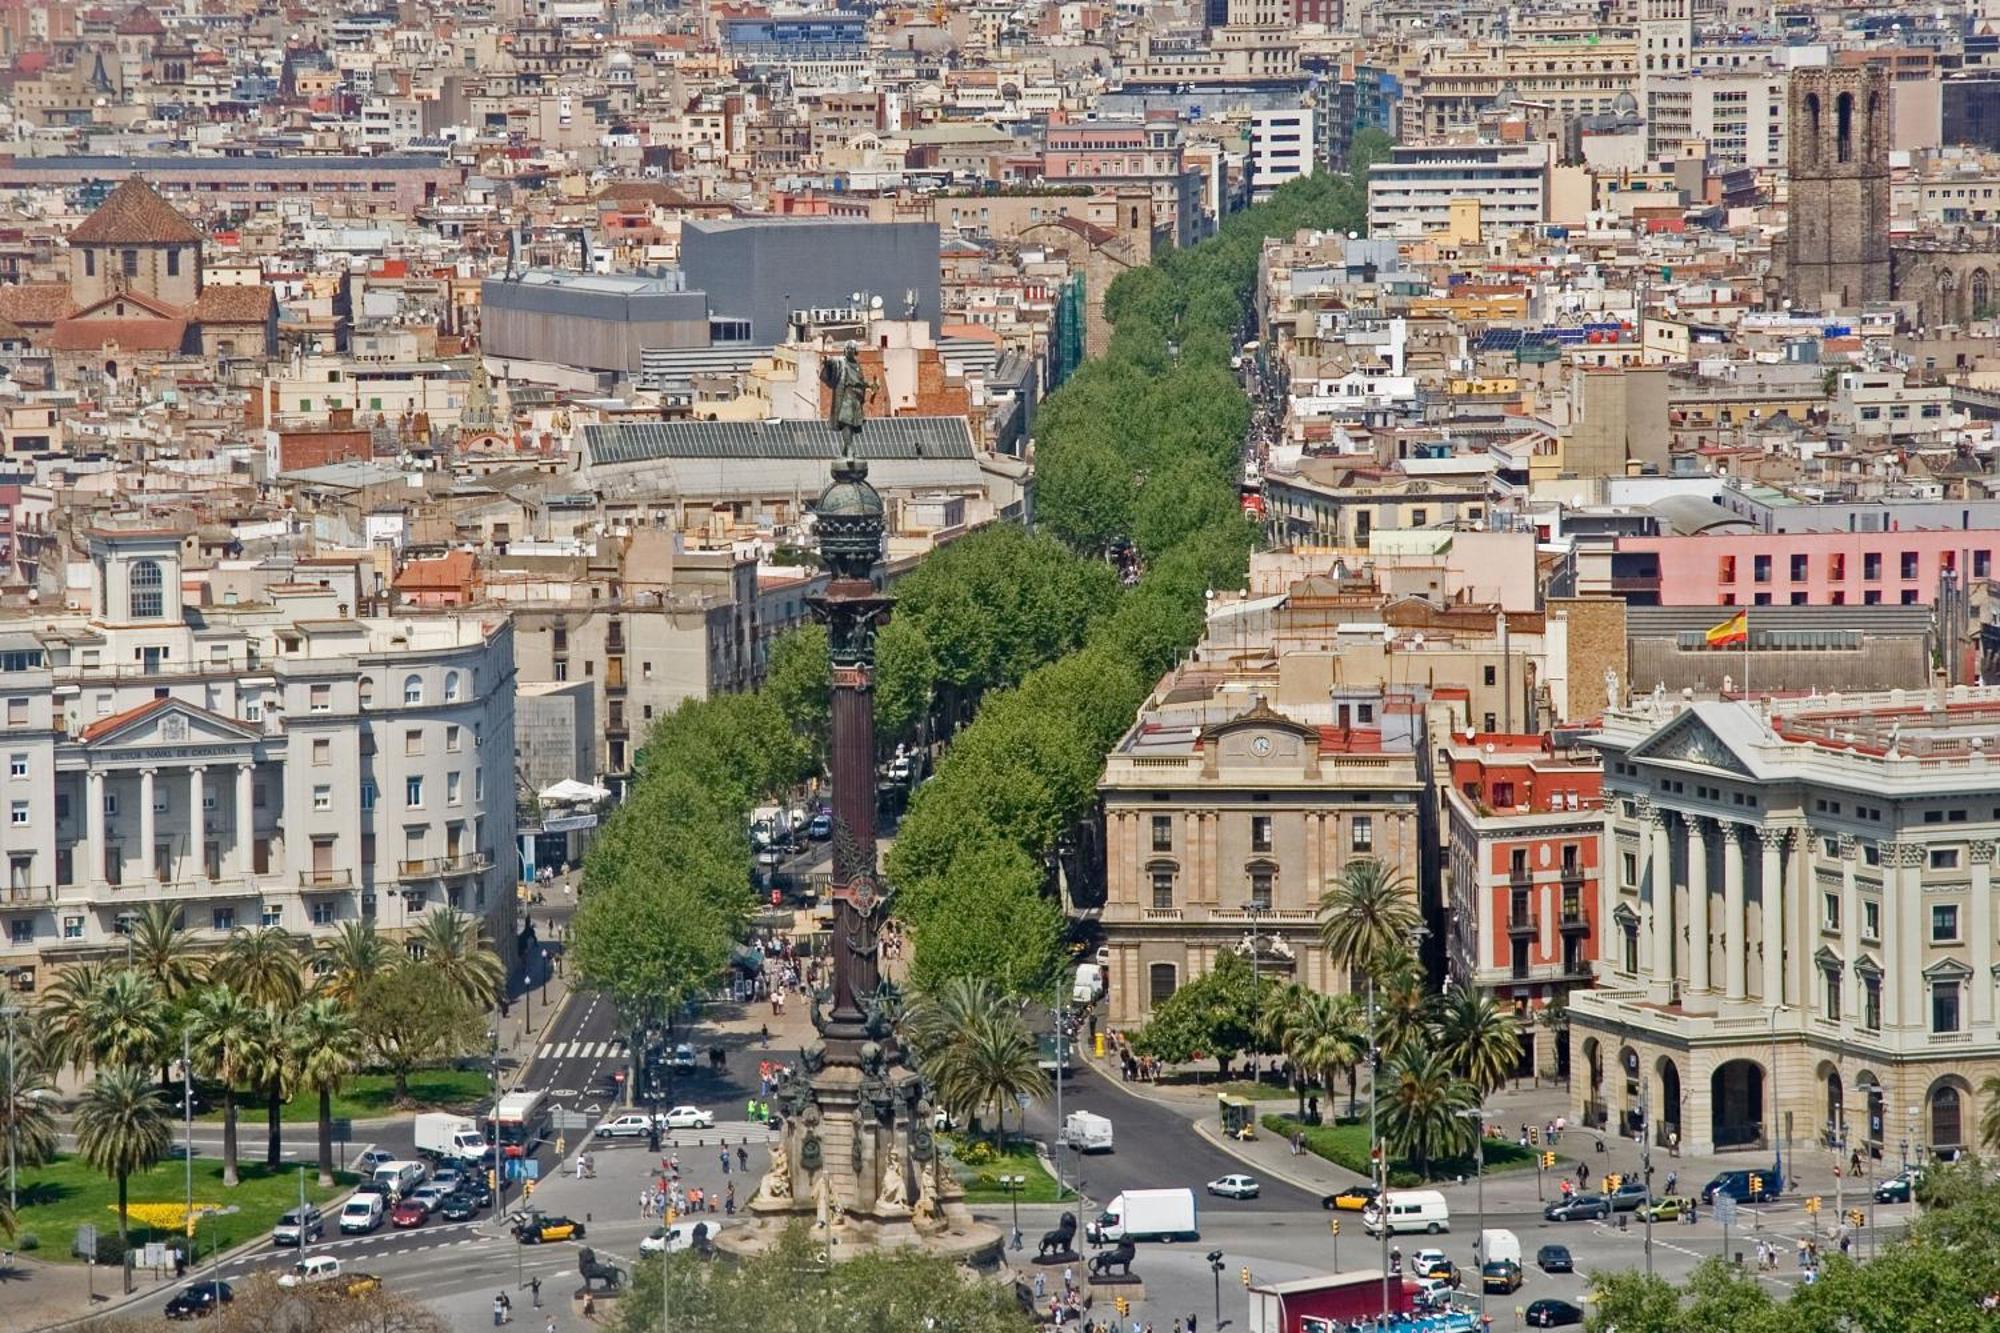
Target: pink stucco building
<point x="1895" y="568"/>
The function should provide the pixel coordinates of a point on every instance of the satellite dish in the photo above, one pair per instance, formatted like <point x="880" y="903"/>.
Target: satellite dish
<point x="874" y="303"/>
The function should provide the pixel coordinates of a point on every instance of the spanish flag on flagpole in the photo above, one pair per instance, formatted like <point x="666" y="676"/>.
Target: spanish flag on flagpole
<point x="1732" y="631"/>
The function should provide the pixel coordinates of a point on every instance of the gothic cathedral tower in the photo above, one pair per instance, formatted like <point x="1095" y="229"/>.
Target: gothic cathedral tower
<point x="1837" y="246"/>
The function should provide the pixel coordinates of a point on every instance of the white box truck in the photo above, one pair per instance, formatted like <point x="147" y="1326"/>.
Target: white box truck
<point x="1085" y="1131"/>
<point x="1497" y="1246"/>
<point x="454" y="1137"/>
<point x="1146" y="1215"/>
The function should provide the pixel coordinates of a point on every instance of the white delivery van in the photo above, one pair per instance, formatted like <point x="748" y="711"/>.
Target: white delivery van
<point x="1146" y="1215"/>
<point x="1087" y="1132"/>
<point x="1406" y="1211"/>
<point x="1499" y="1246"/>
<point x="1089" y="984"/>
<point x="361" y="1213"/>
<point x="399" y="1178"/>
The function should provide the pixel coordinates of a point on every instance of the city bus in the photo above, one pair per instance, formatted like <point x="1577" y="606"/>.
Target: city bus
<point x="520" y="1123"/>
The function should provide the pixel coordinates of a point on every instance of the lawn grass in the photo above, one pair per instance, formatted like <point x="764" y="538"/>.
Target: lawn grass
<point x="981" y="1177"/>
<point x="1345" y="1143"/>
<point x="369" y="1097"/>
<point x="1256" y="1092"/>
<point x="66" y="1193"/>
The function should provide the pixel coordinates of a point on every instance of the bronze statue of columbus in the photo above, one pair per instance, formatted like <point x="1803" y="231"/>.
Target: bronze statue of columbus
<point x="850" y="396"/>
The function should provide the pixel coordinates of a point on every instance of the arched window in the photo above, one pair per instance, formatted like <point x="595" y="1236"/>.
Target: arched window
<point x="367" y="691"/>
<point x="451" y="687"/>
<point x="1982" y="294"/>
<point x="1843" y="126"/>
<point x="1947" y="1113"/>
<point x="1162" y="980"/>
<point x="413" y="689"/>
<point x="148" y="591"/>
<point x="1811" y="142"/>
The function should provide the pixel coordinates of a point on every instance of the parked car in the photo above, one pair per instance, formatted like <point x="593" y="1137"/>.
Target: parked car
<point x="543" y="1228"/>
<point x="407" y="1214"/>
<point x="1352" y="1199"/>
<point x="1577" y="1207"/>
<point x="688" y="1117"/>
<point x="1630" y="1194"/>
<point x="199" y="1300"/>
<point x="1667" y="1209"/>
<point x="298" y="1226"/>
<point x="1502" y="1276"/>
<point x="1549" y="1313"/>
<point x="1234" y="1187"/>
<point x="460" y="1207"/>
<point x="1555" y="1259"/>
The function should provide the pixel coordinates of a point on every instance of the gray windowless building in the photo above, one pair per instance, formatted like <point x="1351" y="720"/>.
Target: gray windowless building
<point x="764" y="269"/>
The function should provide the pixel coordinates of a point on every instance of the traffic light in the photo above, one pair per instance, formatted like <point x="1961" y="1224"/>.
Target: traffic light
<point x="492" y="1180"/>
<point x="1246" y="1277"/>
<point x="528" y="1188"/>
<point x="1854" y="1217"/>
<point x="1534" y="1134"/>
<point x="1548" y="1159"/>
<point x="1812" y="1204"/>
<point x="1333" y="1225"/>
<point x="1756" y="1185"/>
<point x="1612" y="1182"/>
<point x="1123" y="1306"/>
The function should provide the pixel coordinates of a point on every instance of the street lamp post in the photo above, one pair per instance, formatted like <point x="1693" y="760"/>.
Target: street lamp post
<point x="1215" y="1269"/>
<point x="1646" y="1166"/>
<point x="10" y="1013"/>
<point x="1478" y="1115"/>
<point x="1772" y="1097"/>
<point x="1014" y="1184"/>
<point x="1379" y="1166"/>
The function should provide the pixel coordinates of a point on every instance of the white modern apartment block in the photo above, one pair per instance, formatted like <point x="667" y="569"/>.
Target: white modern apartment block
<point x="1739" y="114"/>
<point x="1411" y="193"/>
<point x="1802" y="939"/>
<point x="1281" y="149"/>
<point x="280" y="764"/>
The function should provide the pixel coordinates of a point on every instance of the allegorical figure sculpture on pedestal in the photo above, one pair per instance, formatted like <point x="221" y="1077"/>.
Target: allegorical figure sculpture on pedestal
<point x="856" y="1155"/>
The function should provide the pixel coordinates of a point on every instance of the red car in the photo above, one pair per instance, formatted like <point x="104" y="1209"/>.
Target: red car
<point x="408" y="1213"/>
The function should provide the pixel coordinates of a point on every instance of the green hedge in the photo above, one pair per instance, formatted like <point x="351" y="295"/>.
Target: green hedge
<point x="1345" y="1143"/>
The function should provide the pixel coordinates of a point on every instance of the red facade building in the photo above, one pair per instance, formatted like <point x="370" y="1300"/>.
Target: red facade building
<point x="1524" y="834"/>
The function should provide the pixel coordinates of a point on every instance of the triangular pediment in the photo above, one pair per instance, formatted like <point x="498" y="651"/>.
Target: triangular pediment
<point x="167" y="722"/>
<point x="1688" y="739"/>
<point x="1947" y="969"/>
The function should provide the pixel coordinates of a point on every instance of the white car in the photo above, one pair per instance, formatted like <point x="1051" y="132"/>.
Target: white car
<point x="688" y="1117"/>
<point x="1235" y="1187"/>
<point x="678" y="1237"/>
<point x="631" y="1124"/>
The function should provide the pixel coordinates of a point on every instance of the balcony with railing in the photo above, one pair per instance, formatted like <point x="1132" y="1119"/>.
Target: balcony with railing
<point x="1521" y="916"/>
<point x="442" y="867"/>
<point x="137" y="892"/>
<point x="1573" y="919"/>
<point x="326" y="880"/>
<point x="27" y="895"/>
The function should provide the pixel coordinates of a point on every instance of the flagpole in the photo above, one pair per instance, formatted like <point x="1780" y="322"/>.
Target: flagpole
<point x="1746" y="654"/>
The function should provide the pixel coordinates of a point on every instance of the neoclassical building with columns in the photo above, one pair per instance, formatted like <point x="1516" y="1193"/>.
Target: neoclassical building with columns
<point x="273" y="763"/>
<point x="1801" y="941"/>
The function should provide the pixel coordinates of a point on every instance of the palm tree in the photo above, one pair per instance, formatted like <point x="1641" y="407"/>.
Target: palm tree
<point x="346" y="963"/>
<point x="1370" y="912"/>
<point x="27" y="1105"/>
<point x="1423" y="1105"/>
<point x="326" y="1043"/>
<point x="163" y="951"/>
<point x="222" y="1029"/>
<point x="936" y="1018"/>
<point x="976" y="1048"/>
<point x="272" y="1067"/>
<point x="121" y="1128"/>
<point x="1330" y="1034"/>
<point x="1402" y="1017"/>
<point x="455" y="944"/>
<point x="1277" y="1025"/>
<point x="67" y="1011"/>
<point x="128" y="1021"/>
<point x="1478" y="1038"/>
<point x="263" y="967"/>
<point x="1989" y="1119"/>
<point x="1000" y="1065"/>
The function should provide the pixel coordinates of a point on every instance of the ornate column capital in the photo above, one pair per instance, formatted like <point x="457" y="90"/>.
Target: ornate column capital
<point x="1848" y="846"/>
<point x="1980" y="852"/>
<point x="1903" y="854"/>
<point x="1779" y="837"/>
<point x="1648" y="813"/>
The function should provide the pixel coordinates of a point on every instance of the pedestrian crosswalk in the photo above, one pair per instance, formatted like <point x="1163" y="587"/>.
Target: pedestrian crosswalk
<point x="580" y="1050"/>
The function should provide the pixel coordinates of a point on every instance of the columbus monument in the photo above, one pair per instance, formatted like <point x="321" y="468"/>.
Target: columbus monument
<point x="856" y="1156"/>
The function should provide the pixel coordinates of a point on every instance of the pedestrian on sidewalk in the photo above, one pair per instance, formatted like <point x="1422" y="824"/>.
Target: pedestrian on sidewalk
<point x="535" y="1286"/>
<point x="724" y="1155"/>
<point x="742" y="1158"/>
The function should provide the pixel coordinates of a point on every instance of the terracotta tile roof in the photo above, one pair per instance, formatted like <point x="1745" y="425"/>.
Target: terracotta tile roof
<point x="232" y="305"/>
<point x="134" y="214"/>
<point x="142" y="22"/>
<point x="653" y="194"/>
<point x="132" y="335"/>
<point x="32" y="303"/>
<point x="449" y="572"/>
<point x="117" y="720"/>
<point x="10" y="331"/>
<point x="141" y="305"/>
